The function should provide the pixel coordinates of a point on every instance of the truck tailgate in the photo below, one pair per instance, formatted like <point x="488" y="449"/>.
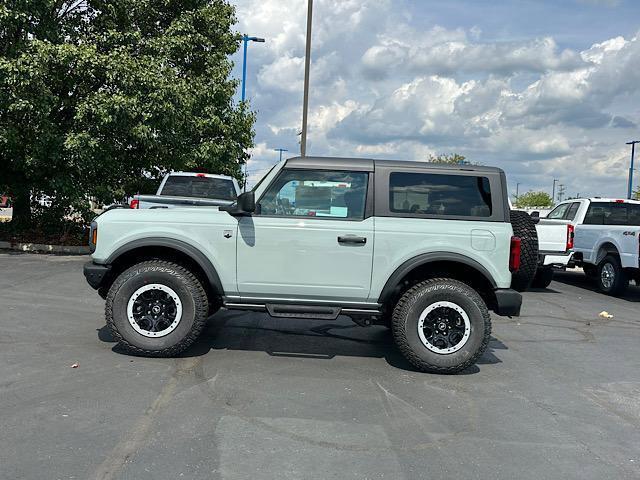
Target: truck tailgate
<point x="552" y="235"/>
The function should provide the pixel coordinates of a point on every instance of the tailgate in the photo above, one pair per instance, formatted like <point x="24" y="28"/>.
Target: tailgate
<point x="552" y="235"/>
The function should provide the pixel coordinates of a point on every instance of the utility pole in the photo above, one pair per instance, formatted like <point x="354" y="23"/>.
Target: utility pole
<point x="280" y="150"/>
<point x="561" y="189"/>
<point x="305" y="99"/>
<point x="633" y="151"/>
<point x="553" y="191"/>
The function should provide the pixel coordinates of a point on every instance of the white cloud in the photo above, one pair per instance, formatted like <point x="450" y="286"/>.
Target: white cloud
<point x="384" y="86"/>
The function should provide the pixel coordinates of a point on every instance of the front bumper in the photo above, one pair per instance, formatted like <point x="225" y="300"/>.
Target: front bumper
<point x="508" y="302"/>
<point x="95" y="273"/>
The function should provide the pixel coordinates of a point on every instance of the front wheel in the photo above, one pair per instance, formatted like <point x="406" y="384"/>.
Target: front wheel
<point x="441" y="325"/>
<point x="611" y="278"/>
<point x="156" y="308"/>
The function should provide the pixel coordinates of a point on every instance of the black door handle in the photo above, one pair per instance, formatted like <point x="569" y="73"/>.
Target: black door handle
<point x="352" y="239"/>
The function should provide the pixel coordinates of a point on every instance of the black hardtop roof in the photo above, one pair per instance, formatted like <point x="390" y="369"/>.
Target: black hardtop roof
<point x="368" y="165"/>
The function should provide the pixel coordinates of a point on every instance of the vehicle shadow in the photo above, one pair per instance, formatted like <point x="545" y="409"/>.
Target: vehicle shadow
<point x="302" y="338"/>
<point x="580" y="280"/>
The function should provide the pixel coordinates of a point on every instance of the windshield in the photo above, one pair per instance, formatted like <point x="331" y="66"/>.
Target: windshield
<point x="200" y="187"/>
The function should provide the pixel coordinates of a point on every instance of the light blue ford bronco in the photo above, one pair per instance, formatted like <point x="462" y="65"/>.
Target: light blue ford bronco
<point x="424" y="249"/>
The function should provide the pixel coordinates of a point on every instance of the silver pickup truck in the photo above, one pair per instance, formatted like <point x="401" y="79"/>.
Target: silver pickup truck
<point x="602" y="236"/>
<point x="188" y="189"/>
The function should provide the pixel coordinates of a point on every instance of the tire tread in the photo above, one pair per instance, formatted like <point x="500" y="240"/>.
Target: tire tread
<point x="199" y="297"/>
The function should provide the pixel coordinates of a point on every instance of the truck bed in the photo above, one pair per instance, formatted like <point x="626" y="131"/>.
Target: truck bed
<point x="168" y="201"/>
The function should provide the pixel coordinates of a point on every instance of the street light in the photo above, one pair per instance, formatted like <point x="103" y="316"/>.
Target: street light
<point x="245" y="40"/>
<point x="305" y="97"/>
<point x="517" y="189"/>
<point x="553" y="191"/>
<point x="280" y="150"/>
<point x="633" y="151"/>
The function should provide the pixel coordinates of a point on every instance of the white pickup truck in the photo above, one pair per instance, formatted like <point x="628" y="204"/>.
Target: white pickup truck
<point x="602" y="236"/>
<point x="184" y="189"/>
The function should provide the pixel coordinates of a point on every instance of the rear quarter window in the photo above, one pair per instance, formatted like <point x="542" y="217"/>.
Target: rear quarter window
<point x="440" y="194"/>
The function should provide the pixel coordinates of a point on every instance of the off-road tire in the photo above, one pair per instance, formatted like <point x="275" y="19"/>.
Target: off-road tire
<point x="406" y="317"/>
<point x="195" y="308"/>
<point x="620" y="279"/>
<point x="543" y="278"/>
<point x="525" y="229"/>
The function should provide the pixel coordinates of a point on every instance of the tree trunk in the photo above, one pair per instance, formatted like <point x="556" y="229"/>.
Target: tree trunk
<point x="21" y="201"/>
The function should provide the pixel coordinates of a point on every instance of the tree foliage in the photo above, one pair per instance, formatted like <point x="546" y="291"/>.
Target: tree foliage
<point x="98" y="95"/>
<point x="534" y="199"/>
<point x="451" y="158"/>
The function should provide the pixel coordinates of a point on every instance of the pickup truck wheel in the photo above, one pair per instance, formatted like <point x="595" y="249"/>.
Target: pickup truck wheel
<point x="611" y="278"/>
<point x="441" y="325"/>
<point x="156" y="308"/>
<point x="543" y="278"/>
<point x="525" y="229"/>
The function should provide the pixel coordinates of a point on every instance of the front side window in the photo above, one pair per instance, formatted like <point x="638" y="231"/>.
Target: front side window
<point x="559" y="212"/>
<point x="439" y="194"/>
<point x="316" y="193"/>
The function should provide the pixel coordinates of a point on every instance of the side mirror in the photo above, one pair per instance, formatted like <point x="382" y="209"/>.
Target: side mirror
<point x="244" y="205"/>
<point x="535" y="214"/>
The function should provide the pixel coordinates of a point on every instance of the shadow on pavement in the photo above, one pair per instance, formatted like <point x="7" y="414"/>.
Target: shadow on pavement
<point x="299" y="338"/>
<point x="580" y="280"/>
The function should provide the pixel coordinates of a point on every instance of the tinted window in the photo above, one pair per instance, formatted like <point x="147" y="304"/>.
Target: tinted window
<point x="202" y="187"/>
<point x="571" y="211"/>
<point x="559" y="211"/>
<point x="433" y="194"/>
<point x="613" y="214"/>
<point x="316" y="193"/>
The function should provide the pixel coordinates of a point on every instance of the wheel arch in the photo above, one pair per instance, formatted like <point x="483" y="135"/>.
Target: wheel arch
<point x="607" y="247"/>
<point x="429" y="265"/>
<point x="167" y="249"/>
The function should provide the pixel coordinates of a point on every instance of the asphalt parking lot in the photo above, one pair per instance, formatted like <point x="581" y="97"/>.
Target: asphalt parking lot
<point x="557" y="395"/>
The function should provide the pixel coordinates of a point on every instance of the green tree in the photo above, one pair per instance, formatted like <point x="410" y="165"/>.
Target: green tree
<point x="636" y="193"/>
<point x="451" y="158"/>
<point x="99" y="96"/>
<point x="534" y="199"/>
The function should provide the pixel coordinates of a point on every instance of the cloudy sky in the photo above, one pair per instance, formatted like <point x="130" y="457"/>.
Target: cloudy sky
<point x="542" y="89"/>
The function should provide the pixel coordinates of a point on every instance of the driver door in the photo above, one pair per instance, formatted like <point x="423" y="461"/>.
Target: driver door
<point x="310" y="238"/>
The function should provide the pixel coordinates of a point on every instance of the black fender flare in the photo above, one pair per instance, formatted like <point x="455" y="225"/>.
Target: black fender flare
<point x="425" y="258"/>
<point x="183" y="247"/>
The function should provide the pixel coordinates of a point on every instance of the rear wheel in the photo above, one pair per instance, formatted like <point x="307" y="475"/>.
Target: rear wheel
<point x="611" y="278"/>
<point x="525" y="229"/>
<point x="543" y="278"/>
<point x="441" y="325"/>
<point x="156" y="308"/>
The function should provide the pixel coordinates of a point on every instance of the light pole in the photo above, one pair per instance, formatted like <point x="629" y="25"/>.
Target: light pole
<point x="305" y="97"/>
<point x="517" y="190"/>
<point x="245" y="40"/>
<point x="280" y="150"/>
<point x="633" y="151"/>
<point x="553" y="191"/>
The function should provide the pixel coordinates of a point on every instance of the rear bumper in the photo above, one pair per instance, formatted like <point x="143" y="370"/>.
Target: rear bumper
<point x="554" y="258"/>
<point x="508" y="302"/>
<point x="95" y="273"/>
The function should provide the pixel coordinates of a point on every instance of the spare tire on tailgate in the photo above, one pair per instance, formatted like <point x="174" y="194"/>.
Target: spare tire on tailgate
<point x="525" y="229"/>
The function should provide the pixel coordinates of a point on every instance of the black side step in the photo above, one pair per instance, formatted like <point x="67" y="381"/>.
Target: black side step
<point x="303" y="311"/>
